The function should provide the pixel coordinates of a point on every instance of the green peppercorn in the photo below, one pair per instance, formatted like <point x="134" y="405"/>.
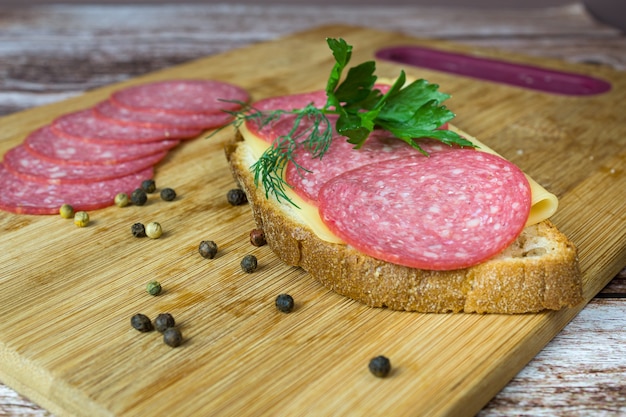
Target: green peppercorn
<point x="81" y="218"/>
<point x="154" y="230"/>
<point x="141" y="322"/>
<point x="66" y="211"/>
<point x="163" y="322"/>
<point x="249" y="263"/>
<point x="168" y="194"/>
<point x="236" y="197"/>
<point x="284" y="303"/>
<point x="257" y="237"/>
<point x="208" y="249"/>
<point x="121" y="200"/>
<point x="153" y="288"/>
<point x="172" y="337"/>
<point x="138" y="230"/>
<point x="380" y="366"/>
<point x="148" y="186"/>
<point x="139" y="197"/>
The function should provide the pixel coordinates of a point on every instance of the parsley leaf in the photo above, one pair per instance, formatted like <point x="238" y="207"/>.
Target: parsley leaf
<point x="342" y="53"/>
<point x="355" y="92"/>
<point x="403" y="104"/>
<point x="410" y="112"/>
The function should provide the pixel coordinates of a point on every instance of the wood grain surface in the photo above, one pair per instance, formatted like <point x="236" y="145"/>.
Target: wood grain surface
<point x="87" y="40"/>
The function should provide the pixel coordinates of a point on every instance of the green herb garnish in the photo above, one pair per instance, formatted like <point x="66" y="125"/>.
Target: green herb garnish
<point x="315" y="136"/>
<point x="409" y="112"/>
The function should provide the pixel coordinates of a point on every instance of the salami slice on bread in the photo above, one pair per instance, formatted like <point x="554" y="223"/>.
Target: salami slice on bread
<point x="537" y="271"/>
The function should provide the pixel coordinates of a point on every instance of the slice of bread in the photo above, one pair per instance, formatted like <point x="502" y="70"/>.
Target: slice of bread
<point x="538" y="271"/>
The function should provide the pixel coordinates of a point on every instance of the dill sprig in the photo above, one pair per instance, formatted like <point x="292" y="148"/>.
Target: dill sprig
<point x="315" y="136"/>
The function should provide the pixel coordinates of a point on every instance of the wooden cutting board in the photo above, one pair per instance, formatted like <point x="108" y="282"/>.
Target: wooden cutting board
<point x="68" y="293"/>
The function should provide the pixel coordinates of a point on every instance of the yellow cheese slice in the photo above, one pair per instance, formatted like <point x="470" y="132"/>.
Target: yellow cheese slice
<point x="543" y="203"/>
<point x="308" y="213"/>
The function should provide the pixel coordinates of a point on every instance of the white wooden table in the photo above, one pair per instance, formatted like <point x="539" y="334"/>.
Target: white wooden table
<point x="49" y="53"/>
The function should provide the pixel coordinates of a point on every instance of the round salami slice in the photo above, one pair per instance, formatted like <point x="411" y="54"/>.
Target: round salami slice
<point x="287" y="102"/>
<point x="109" y="111"/>
<point x="46" y="145"/>
<point x="308" y="174"/>
<point x="30" y="197"/>
<point x="84" y="125"/>
<point x="182" y="96"/>
<point x="268" y="127"/>
<point x="24" y="164"/>
<point x="448" y="211"/>
<point x="317" y="98"/>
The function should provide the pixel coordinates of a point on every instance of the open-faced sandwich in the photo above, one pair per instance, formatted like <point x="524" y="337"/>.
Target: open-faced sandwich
<point x="368" y="187"/>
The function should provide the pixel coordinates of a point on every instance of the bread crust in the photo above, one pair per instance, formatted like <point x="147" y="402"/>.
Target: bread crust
<point x="539" y="271"/>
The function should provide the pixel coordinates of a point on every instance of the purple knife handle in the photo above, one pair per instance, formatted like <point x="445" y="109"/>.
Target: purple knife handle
<point x="519" y="75"/>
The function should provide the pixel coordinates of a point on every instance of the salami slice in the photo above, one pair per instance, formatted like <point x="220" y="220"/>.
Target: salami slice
<point x="448" y="211"/>
<point x="109" y="111"/>
<point x="29" y="197"/>
<point x="181" y="96"/>
<point x="317" y="98"/>
<point x="269" y="129"/>
<point x="24" y="164"/>
<point x="46" y="145"/>
<point x="84" y="125"/>
<point x="308" y="174"/>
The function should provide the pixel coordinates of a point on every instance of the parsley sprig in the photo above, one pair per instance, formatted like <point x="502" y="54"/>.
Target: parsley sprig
<point x="409" y="112"/>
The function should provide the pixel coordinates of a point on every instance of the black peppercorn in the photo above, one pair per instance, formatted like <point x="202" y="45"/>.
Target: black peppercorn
<point x="138" y="230"/>
<point x="236" y="197"/>
<point x="249" y="263"/>
<point x="208" y="249"/>
<point x="141" y="322"/>
<point x="139" y="197"/>
<point x="168" y="194"/>
<point x="172" y="337"/>
<point x="257" y="237"/>
<point x="380" y="366"/>
<point x="284" y="303"/>
<point x="163" y="322"/>
<point x="148" y="186"/>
